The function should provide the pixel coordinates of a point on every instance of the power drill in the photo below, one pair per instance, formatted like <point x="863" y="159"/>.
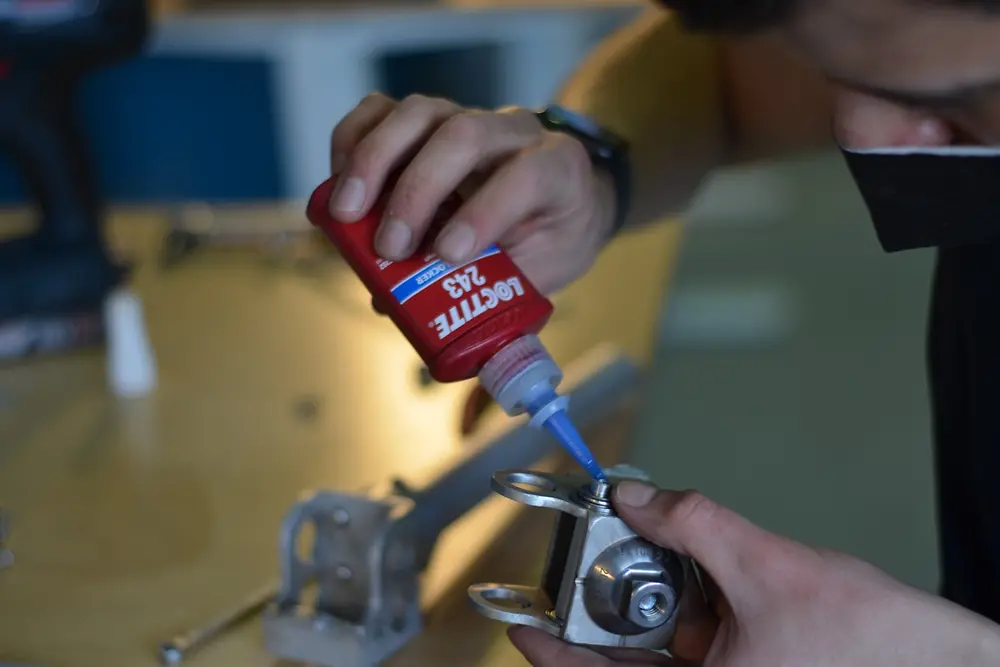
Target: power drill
<point x="46" y="48"/>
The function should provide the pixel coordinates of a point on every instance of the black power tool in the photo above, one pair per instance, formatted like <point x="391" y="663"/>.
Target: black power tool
<point x="61" y="271"/>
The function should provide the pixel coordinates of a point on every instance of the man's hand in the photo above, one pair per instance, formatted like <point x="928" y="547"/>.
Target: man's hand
<point x="535" y="192"/>
<point x="782" y="604"/>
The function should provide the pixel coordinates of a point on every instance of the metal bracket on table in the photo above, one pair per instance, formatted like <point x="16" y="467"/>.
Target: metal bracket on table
<point x="369" y="550"/>
<point x="197" y="226"/>
<point x="602" y="585"/>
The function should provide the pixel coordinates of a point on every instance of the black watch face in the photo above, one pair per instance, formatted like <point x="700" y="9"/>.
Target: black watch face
<point x="562" y="116"/>
<point x="600" y="142"/>
<point x="30" y="14"/>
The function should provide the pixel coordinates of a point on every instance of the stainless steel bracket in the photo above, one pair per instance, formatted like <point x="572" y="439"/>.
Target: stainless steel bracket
<point x="194" y="226"/>
<point x="354" y="600"/>
<point x="603" y="585"/>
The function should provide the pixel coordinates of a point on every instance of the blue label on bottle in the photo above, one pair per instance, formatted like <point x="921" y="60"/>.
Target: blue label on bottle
<point x="431" y="273"/>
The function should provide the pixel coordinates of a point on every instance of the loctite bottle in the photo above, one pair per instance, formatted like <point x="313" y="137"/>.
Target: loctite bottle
<point x="480" y="318"/>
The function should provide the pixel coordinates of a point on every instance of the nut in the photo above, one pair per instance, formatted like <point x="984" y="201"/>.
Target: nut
<point x="648" y="604"/>
<point x="633" y="587"/>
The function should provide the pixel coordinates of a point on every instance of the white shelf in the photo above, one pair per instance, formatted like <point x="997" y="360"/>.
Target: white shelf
<point x="325" y="59"/>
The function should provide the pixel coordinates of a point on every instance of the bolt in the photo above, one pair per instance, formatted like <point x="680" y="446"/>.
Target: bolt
<point x="601" y="489"/>
<point x="597" y="495"/>
<point x="648" y="604"/>
<point x="344" y="572"/>
<point x="341" y="517"/>
<point x="179" y="648"/>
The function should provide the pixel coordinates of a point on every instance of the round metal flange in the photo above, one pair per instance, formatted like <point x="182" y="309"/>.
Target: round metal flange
<point x="633" y="587"/>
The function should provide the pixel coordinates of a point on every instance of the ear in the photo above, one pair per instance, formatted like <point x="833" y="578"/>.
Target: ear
<point x="864" y="121"/>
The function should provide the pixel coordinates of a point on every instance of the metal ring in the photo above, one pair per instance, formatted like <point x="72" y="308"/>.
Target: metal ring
<point x="515" y="605"/>
<point x="538" y="490"/>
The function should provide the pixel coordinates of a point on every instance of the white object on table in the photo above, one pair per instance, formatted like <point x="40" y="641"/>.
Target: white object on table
<point x="131" y="362"/>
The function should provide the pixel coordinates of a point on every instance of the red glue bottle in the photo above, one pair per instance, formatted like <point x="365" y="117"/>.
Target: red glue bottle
<point x="480" y="318"/>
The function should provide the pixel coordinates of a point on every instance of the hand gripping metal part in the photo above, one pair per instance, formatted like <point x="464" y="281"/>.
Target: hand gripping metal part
<point x="603" y="585"/>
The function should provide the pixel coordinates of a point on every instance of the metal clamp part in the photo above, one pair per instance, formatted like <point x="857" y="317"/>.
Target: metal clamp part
<point x="366" y="604"/>
<point x="603" y="585"/>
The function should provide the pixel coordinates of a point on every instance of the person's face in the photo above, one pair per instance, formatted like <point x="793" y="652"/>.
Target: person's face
<point x="911" y="73"/>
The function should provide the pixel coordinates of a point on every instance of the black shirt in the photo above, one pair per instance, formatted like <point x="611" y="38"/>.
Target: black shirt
<point x="950" y="199"/>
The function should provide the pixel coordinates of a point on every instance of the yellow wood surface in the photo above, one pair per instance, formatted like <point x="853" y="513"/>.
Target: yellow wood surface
<point x="134" y="520"/>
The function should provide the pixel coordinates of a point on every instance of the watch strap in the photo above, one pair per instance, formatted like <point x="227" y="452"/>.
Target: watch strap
<point x="607" y="151"/>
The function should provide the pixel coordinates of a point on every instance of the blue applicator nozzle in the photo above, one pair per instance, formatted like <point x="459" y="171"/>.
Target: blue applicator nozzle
<point x="522" y="377"/>
<point x="548" y="409"/>
<point x="560" y="426"/>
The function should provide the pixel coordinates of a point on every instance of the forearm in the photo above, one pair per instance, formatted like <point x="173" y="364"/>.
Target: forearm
<point x="688" y="104"/>
<point x="659" y="89"/>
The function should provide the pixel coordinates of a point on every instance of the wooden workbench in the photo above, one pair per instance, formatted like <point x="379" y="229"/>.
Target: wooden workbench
<point x="133" y="520"/>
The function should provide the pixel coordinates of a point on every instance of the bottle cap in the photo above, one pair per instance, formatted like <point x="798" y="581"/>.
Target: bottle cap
<point x="519" y="372"/>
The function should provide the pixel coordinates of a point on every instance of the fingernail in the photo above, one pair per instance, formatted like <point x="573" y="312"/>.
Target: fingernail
<point x="394" y="239"/>
<point x="337" y="163"/>
<point x="457" y="242"/>
<point x="349" y="196"/>
<point x="634" y="494"/>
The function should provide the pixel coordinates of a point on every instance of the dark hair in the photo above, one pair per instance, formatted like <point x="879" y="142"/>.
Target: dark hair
<point x="738" y="16"/>
<point x="747" y="16"/>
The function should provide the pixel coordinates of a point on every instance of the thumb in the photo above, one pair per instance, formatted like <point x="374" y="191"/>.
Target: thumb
<point x="732" y="550"/>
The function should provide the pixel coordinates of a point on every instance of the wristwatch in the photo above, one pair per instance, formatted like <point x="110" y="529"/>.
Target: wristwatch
<point x="607" y="151"/>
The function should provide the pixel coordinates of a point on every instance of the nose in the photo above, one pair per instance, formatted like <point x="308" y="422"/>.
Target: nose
<point x="864" y="121"/>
